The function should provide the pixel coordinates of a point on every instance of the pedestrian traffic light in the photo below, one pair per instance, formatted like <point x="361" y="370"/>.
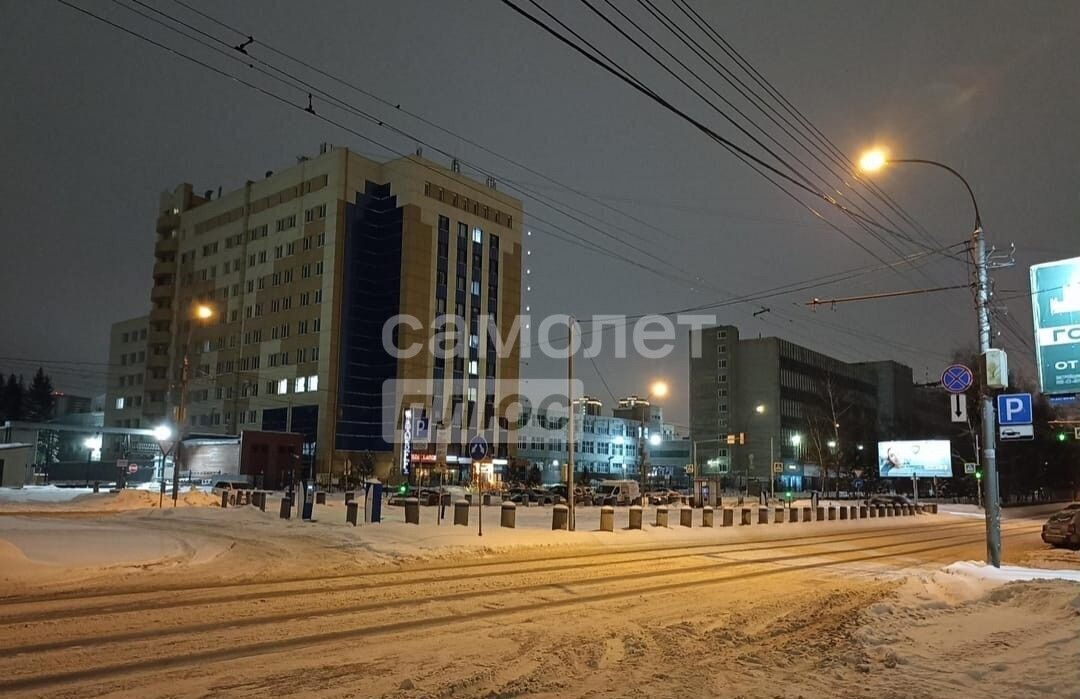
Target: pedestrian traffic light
<point x="978" y="475"/>
<point x="1062" y="436"/>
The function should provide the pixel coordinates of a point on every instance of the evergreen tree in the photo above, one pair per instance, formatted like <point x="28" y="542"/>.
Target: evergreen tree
<point x="11" y="399"/>
<point x="40" y="401"/>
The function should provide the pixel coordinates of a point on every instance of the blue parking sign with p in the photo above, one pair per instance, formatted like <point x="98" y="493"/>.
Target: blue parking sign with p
<point x="1014" y="409"/>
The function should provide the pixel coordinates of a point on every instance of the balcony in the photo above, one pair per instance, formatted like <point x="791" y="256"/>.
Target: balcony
<point x="164" y="267"/>
<point x="167" y="221"/>
<point x="159" y="337"/>
<point x="161" y="291"/>
<point x="167" y="245"/>
<point x="161" y="314"/>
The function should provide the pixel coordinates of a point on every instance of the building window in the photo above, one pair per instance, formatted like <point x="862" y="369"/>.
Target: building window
<point x="300" y="385"/>
<point x="313" y="382"/>
<point x="283" y="386"/>
<point x="477" y="235"/>
<point x="119" y="403"/>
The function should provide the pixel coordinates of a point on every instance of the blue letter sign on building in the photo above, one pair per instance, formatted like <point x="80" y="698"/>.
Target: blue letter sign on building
<point x="1055" y="307"/>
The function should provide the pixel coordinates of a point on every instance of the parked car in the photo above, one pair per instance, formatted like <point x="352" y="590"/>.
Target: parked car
<point x="891" y="500"/>
<point x="618" y="493"/>
<point x="665" y="496"/>
<point x="225" y="485"/>
<point x="537" y="495"/>
<point x="1063" y="528"/>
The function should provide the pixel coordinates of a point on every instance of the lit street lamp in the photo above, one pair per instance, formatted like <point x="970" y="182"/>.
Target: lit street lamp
<point x="163" y="435"/>
<point x="199" y="311"/>
<point x="658" y="389"/>
<point x="875" y="160"/>
<point x="92" y="444"/>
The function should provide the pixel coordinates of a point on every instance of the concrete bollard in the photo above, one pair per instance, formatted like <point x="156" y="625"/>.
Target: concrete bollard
<point x="763" y="515"/>
<point x="607" y="518"/>
<point x="832" y="513"/>
<point x="882" y="511"/>
<point x="508" y="515"/>
<point x="808" y="514"/>
<point x="686" y="517"/>
<point x="778" y="515"/>
<point x="707" y="516"/>
<point x="661" y="516"/>
<point x="262" y="502"/>
<point x="635" y="516"/>
<point x="352" y="510"/>
<point x="560" y="517"/>
<point x="285" y="510"/>
<point x="412" y="511"/>
<point x="933" y="508"/>
<point x="224" y="499"/>
<point x="793" y="514"/>
<point x="819" y="513"/>
<point x="461" y="513"/>
<point x="729" y="517"/>
<point x="854" y="512"/>
<point x="871" y="511"/>
<point x="320" y="498"/>
<point x="746" y="516"/>
<point x="349" y="496"/>
<point x="843" y="513"/>
<point x="487" y="499"/>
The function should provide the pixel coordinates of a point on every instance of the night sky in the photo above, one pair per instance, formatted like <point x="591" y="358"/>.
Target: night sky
<point x="96" y="123"/>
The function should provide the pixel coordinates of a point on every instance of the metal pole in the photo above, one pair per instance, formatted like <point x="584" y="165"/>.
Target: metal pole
<point x="181" y="422"/>
<point x="570" y="426"/>
<point x="993" y="511"/>
<point x="772" y="474"/>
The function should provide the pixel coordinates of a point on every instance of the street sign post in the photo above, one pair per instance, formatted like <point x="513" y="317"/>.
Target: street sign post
<point x="778" y="467"/>
<point x="956" y="378"/>
<point x="1055" y="309"/>
<point x="958" y="407"/>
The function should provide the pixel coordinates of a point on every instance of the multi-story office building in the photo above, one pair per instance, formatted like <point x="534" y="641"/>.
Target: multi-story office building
<point x="302" y="270"/>
<point x="124" y="393"/>
<point x="605" y="446"/>
<point x="763" y="401"/>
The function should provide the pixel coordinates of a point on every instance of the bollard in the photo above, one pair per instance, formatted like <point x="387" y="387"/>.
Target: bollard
<point x="793" y="515"/>
<point x="661" y="516"/>
<point x="320" y="497"/>
<point x="412" y="511"/>
<point x="607" y="518"/>
<point x="933" y="508"/>
<point x="224" y="499"/>
<point x="854" y="512"/>
<point x="560" y="517"/>
<point x="763" y="515"/>
<point x="352" y="508"/>
<point x="918" y="509"/>
<point x="508" y="515"/>
<point x="871" y="511"/>
<point x="894" y="511"/>
<point x="707" y="516"/>
<point x="843" y="512"/>
<point x="262" y="502"/>
<point x="832" y="512"/>
<point x="686" y="517"/>
<point x="807" y="514"/>
<point x="635" y="516"/>
<point x="461" y="513"/>
<point x="349" y="496"/>
<point x="746" y="516"/>
<point x="778" y="516"/>
<point x="487" y="499"/>
<point x="285" y="510"/>
<point x="729" y="517"/>
<point x="881" y="511"/>
<point x="819" y="513"/>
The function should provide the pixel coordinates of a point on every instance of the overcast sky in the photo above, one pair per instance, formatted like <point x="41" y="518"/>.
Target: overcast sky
<point x="96" y="123"/>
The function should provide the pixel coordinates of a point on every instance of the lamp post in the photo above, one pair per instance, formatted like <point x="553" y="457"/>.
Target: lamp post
<point x="163" y="435"/>
<point x="92" y="444"/>
<point x="199" y="312"/>
<point x="875" y="160"/>
<point x="659" y="389"/>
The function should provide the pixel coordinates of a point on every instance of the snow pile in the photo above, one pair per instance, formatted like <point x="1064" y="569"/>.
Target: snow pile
<point x="1004" y="574"/>
<point x="41" y="493"/>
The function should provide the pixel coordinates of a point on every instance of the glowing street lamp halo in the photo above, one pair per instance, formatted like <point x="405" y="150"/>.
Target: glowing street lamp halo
<point x="655" y="439"/>
<point x="203" y="311"/>
<point x="873" y="160"/>
<point x="659" y="389"/>
<point x="163" y="433"/>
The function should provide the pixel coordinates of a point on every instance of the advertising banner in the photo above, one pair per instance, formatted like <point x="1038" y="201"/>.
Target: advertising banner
<point x="921" y="458"/>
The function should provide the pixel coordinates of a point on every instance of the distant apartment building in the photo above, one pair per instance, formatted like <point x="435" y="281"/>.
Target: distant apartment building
<point x="302" y="270"/>
<point x="764" y="401"/>
<point x="124" y="390"/>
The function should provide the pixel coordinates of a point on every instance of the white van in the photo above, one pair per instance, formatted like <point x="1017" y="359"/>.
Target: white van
<point x="618" y="493"/>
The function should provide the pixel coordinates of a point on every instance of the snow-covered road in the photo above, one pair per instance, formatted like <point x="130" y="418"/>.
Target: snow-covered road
<point x="811" y="610"/>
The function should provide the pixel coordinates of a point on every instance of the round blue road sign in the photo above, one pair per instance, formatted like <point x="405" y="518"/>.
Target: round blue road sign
<point x="956" y="378"/>
<point x="477" y="448"/>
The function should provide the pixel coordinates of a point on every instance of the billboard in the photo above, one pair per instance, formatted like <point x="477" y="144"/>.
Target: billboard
<point x="922" y="458"/>
<point x="1055" y="308"/>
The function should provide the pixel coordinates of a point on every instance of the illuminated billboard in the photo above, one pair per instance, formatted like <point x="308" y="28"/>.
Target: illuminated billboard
<point x="1055" y="307"/>
<point x="921" y="458"/>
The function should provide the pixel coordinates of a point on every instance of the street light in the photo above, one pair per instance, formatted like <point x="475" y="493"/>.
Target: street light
<point x="760" y="409"/>
<point x="162" y="434"/>
<point x="831" y="444"/>
<point x="199" y="311"/>
<point x="796" y="440"/>
<point x="92" y="444"/>
<point x="655" y="439"/>
<point x="657" y="389"/>
<point x="875" y="160"/>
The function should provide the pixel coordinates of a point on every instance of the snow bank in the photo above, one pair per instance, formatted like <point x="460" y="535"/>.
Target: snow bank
<point x="1004" y="574"/>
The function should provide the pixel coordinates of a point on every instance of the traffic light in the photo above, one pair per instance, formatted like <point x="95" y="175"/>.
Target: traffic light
<point x="1062" y="436"/>
<point x="403" y="488"/>
<point x="978" y="475"/>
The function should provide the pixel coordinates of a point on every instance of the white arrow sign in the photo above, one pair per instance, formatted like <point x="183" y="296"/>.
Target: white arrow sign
<point x="958" y="407"/>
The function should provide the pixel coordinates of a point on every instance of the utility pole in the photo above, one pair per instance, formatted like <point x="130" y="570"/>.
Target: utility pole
<point x="993" y="508"/>
<point x="570" y="427"/>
